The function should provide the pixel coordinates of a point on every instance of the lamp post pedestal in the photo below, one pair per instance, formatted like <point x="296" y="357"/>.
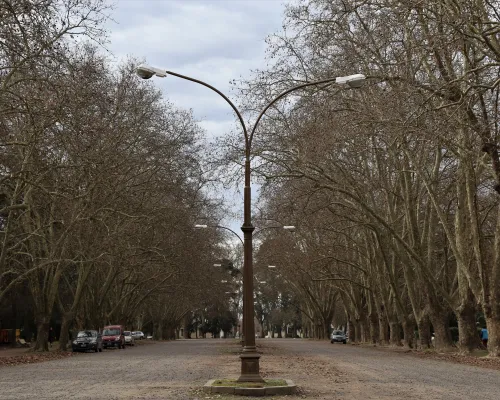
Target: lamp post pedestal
<point x="250" y="365"/>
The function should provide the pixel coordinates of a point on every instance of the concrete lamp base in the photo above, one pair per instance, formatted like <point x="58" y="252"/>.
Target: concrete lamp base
<point x="269" y="390"/>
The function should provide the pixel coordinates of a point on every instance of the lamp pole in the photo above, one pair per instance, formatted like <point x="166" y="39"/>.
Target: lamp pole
<point x="290" y="228"/>
<point x="250" y="371"/>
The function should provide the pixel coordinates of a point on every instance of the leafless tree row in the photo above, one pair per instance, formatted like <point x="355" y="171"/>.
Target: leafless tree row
<point x="393" y="187"/>
<point x="100" y="181"/>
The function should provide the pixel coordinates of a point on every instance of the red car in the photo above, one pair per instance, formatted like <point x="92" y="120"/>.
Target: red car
<point x="112" y="336"/>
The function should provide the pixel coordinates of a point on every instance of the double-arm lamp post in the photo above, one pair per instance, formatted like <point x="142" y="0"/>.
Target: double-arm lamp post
<point x="249" y="356"/>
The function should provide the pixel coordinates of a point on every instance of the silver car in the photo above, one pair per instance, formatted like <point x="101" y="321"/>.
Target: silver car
<point x="338" y="337"/>
<point x="129" y="339"/>
<point x="138" y="335"/>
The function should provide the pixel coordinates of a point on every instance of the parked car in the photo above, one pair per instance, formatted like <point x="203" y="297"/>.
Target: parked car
<point x="338" y="337"/>
<point x="112" y="336"/>
<point x="129" y="339"/>
<point x="87" y="340"/>
<point x="138" y="335"/>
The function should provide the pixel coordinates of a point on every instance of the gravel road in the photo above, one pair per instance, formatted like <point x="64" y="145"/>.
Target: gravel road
<point x="177" y="370"/>
<point x="368" y="373"/>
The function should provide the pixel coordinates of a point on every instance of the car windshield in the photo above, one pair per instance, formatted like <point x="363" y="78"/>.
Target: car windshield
<point x="126" y="333"/>
<point x="111" y="332"/>
<point x="84" y="334"/>
<point x="338" y="333"/>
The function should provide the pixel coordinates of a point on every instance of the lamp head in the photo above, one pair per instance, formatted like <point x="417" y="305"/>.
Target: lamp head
<point x="290" y="228"/>
<point x="354" y="81"/>
<point x="147" y="71"/>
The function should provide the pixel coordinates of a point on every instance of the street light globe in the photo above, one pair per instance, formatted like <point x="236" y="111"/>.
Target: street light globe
<point x="146" y="71"/>
<point x="354" y="81"/>
<point x="271" y="266"/>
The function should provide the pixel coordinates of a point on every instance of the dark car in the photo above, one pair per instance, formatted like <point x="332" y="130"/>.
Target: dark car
<point x="112" y="336"/>
<point x="87" y="340"/>
<point x="338" y="337"/>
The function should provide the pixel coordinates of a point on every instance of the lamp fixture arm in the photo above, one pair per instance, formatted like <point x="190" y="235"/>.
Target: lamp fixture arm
<point x="240" y="118"/>
<point x="282" y="95"/>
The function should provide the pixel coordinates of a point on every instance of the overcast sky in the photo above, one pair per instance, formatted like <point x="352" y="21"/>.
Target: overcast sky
<point x="212" y="40"/>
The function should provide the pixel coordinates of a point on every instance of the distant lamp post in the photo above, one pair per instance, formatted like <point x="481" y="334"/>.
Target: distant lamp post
<point x="250" y="371"/>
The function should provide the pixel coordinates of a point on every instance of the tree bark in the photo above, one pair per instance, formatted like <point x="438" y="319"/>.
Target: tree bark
<point x="468" y="339"/>
<point x="395" y="333"/>
<point x="383" y="328"/>
<point x="408" y="333"/>
<point x="493" y="326"/>
<point x="374" y="328"/>
<point x="442" y="336"/>
<point x="67" y="319"/>
<point x="350" y="329"/>
<point x="424" y="332"/>
<point x="42" y="333"/>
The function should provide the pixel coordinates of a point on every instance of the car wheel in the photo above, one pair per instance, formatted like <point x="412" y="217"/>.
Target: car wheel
<point x="100" y="349"/>
<point x="345" y="342"/>
<point x="331" y="341"/>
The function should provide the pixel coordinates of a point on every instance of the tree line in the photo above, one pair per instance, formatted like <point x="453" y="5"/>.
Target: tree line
<point x="101" y="183"/>
<point x="393" y="187"/>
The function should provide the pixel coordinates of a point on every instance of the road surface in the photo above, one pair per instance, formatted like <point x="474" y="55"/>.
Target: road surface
<point x="177" y="370"/>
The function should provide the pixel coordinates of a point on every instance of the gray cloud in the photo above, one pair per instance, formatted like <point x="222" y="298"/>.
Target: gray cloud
<point x="214" y="41"/>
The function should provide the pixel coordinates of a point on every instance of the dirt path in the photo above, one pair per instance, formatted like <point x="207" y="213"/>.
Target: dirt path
<point x="177" y="370"/>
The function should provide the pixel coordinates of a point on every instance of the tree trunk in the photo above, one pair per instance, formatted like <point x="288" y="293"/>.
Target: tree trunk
<point x="357" y="331"/>
<point x="158" y="331"/>
<point x="42" y="333"/>
<point x="351" y="329"/>
<point x="467" y="332"/>
<point x="408" y="333"/>
<point x="493" y="326"/>
<point x="67" y="319"/>
<point x="395" y="334"/>
<point x="383" y="328"/>
<point x="325" y="332"/>
<point x="424" y="332"/>
<point x="442" y="336"/>
<point x="374" y="329"/>
<point x="185" y="330"/>
<point x="365" y="329"/>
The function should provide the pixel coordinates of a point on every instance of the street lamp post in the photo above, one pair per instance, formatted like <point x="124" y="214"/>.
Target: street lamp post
<point x="249" y="357"/>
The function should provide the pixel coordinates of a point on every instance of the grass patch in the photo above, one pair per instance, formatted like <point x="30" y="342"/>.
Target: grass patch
<point x="235" y="383"/>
